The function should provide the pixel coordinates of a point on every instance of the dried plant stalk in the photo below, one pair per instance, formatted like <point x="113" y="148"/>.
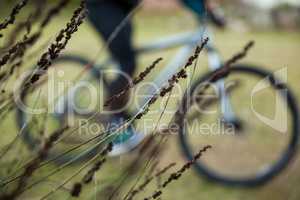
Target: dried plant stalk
<point x="142" y="186"/>
<point x="135" y="81"/>
<point x="12" y="17"/>
<point x="176" y="175"/>
<point x="88" y="177"/>
<point x="33" y="165"/>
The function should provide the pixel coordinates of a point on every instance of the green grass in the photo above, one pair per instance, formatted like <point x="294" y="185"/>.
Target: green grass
<point x="273" y="50"/>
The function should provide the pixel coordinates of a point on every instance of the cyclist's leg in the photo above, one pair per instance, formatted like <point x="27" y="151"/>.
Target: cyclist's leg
<point x="106" y="16"/>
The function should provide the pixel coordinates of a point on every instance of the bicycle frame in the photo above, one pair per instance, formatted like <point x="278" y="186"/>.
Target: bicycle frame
<point x="188" y="41"/>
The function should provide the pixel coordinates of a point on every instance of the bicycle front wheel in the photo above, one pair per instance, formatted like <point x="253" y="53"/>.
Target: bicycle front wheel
<point x="258" y="147"/>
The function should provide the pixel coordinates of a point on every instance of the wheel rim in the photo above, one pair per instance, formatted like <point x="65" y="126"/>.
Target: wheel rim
<point x="262" y="177"/>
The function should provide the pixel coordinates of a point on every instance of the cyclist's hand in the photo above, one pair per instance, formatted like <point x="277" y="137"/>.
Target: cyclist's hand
<point x="216" y="14"/>
<point x="217" y="20"/>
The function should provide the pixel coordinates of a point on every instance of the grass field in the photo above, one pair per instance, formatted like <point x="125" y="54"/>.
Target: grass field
<point x="273" y="50"/>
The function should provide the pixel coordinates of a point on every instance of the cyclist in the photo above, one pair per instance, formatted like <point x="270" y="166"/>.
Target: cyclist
<point x="106" y="15"/>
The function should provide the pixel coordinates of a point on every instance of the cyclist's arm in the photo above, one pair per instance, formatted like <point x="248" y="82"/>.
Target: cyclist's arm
<point x="204" y="10"/>
<point x="198" y="6"/>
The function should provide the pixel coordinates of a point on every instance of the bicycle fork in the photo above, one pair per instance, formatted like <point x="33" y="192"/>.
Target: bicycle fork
<point x="215" y="62"/>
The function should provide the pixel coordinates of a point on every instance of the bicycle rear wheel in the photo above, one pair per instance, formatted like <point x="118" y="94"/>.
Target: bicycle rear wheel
<point x="256" y="151"/>
<point x="47" y="109"/>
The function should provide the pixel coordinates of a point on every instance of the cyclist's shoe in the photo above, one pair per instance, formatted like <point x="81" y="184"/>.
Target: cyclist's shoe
<point x="126" y="141"/>
<point x="127" y="146"/>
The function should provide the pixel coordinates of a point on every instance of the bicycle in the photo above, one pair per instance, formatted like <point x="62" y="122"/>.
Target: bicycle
<point x="209" y="166"/>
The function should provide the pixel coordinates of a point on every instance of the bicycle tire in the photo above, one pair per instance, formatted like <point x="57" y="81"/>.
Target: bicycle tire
<point x="273" y="171"/>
